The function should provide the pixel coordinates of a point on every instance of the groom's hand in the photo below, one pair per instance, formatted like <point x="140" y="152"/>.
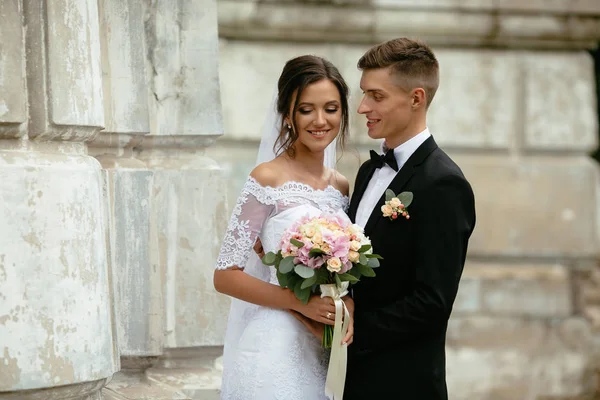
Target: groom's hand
<point x="258" y="249"/>
<point x="314" y="327"/>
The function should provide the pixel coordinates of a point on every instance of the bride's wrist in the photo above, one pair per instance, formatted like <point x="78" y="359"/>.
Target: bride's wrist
<point x="293" y="303"/>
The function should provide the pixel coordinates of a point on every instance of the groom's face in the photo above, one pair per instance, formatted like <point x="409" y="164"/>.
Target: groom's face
<point x="386" y="106"/>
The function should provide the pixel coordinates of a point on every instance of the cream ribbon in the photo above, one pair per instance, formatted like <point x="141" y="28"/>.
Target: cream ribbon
<point x="336" y="374"/>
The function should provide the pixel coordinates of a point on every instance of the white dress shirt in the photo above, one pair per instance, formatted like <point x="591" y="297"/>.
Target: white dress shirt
<point x="383" y="176"/>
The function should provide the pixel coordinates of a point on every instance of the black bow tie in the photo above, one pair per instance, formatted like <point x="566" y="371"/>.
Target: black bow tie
<point x="389" y="158"/>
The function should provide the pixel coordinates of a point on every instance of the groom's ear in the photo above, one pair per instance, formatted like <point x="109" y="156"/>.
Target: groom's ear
<point x="419" y="98"/>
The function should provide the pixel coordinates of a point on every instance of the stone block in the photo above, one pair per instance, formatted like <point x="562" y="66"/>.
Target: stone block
<point x="139" y="285"/>
<point x="126" y="92"/>
<point x="483" y="23"/>
<point x="518" y="358"/>
<point x="189" y="221"/>
<point x="135" y="385"/>
<point x="513" y="374"/>
<point x="64" y="75"/>
<point x="541" y="290"/>
<point x="55" y="320"/>
<point x="183" y="56"/>
<point x="560" y="102"/>
<point x="533" y="207"/>
<point x="13" y="89"/>
<point x="476" y="104"/>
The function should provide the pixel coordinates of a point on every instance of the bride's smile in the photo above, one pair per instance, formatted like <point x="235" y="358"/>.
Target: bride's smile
<point x="318" y="116"/>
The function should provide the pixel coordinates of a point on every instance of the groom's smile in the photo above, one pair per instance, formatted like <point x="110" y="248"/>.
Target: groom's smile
<point x="390" y="110"/>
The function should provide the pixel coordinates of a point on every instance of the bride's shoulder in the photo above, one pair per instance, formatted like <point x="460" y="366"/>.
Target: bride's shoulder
<point x="266" y="174"/>
<point x="340" y="182"/>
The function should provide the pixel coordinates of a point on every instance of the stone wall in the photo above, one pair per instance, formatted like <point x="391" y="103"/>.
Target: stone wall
<point x="111" y="207"/>
<point x="517" y="111"/>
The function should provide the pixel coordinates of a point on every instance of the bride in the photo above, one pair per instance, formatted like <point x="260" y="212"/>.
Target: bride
<point x="273" y="341"/>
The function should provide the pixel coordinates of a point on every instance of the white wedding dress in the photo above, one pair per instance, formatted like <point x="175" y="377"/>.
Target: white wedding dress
<point x="268" y="353"/>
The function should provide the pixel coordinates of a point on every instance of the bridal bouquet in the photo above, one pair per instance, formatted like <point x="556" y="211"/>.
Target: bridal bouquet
<point x="326" y="253"/>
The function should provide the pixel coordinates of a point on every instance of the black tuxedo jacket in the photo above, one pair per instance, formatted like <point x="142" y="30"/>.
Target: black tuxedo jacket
<point x="402" y="314"/>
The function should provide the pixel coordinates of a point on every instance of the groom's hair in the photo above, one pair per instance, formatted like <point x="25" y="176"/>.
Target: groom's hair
<point x="412" y="63"/>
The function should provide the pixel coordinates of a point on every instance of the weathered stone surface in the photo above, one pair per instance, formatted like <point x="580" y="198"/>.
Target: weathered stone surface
<point x="188" y="212"/>
<point x="82" y="391"/>
<point x="560" y="102"/>
<point x="550" y="6"/>
<point x="510" y="374"/>
<point x="447" y="22"/>
<point x="534" y="206"/>
<point x="515" y="290"/>
<point x="182" y="47"/>
<point x="55" y="309"/>
<point x="64" y="75"/>
<point x="491" y="82"/>
<point x="123" y="66"/>
<point x="13" y="91"/>
<point x="135" y="385"/>
<point x="518" y="358"/>
<point x="194" y="371"/>
<point x="138" y="283"/>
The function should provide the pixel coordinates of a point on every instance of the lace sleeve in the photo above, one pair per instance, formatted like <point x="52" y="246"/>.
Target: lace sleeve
<point x="252" y="209"/>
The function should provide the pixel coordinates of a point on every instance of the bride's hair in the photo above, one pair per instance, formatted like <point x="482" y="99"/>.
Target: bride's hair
<point x="297" y="74"/>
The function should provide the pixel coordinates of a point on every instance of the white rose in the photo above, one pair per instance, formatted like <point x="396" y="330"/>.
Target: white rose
<point x="395" y="202"/>
<point x="317" y="238"/>
<point x="354" y="245"/>
<point x="310" y="231"/>
<point x="353" y="256"/>
<point x="334" y="264"/>
<point x="386" y="209"/>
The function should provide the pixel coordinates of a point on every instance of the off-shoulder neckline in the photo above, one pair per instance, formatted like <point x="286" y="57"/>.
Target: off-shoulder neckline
<point x="302" y="185"/>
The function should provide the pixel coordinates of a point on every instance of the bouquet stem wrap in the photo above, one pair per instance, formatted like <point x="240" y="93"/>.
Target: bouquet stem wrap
<point x="336" y="374"/>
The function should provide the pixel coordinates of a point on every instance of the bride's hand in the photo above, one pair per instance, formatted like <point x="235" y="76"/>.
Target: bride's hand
<point x="318" y="309"/>
<point x="316" y="328"/>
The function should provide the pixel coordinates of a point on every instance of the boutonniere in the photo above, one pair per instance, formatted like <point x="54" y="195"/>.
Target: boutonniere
<point x="396" y="205"/>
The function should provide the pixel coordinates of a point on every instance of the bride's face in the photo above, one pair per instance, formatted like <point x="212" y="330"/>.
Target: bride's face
<point x="318" y="116"/>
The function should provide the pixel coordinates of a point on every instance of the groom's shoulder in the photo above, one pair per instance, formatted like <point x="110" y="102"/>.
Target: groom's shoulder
<point x="440" y="164"/>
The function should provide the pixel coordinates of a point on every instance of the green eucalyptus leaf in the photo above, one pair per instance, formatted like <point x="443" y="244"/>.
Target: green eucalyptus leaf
<point x="348" y="278"/>
<point x="304" y="271"/>
<point x="389" y="194"/>
<point x="374" y="256"/>
<point x="366" y="271"/>
<point x="297" y="243"/>
<point x="363" y="259"/>
<point x="338" y="280"/>
<point x="286" y="265"/>
<point x="406" y="198"/>
<point x="355" y="272"/>
<point x="283" y="279"/>
<point x="305" y="295"/>
<point x="315" y="252"/>
<point x="373" y="263"/>
<point x="322" y="276"/>
<point x="309" y="282"/>
<point x="269" y="259"/>
<point x="364" y="248"/>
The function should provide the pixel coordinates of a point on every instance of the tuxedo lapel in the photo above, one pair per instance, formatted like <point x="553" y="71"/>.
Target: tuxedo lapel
<point x="401" y="179"/>
<point x="362" y="182"/>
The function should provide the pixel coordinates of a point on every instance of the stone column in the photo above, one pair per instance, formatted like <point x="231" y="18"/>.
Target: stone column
<point x="137" y="279"/>
<point x="188" y="209"/>
<point x="56" y="338"/>
<point x="516" y="109"/>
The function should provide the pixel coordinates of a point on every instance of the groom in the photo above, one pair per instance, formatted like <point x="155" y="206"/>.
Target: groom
<point x="401" y="315"/>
